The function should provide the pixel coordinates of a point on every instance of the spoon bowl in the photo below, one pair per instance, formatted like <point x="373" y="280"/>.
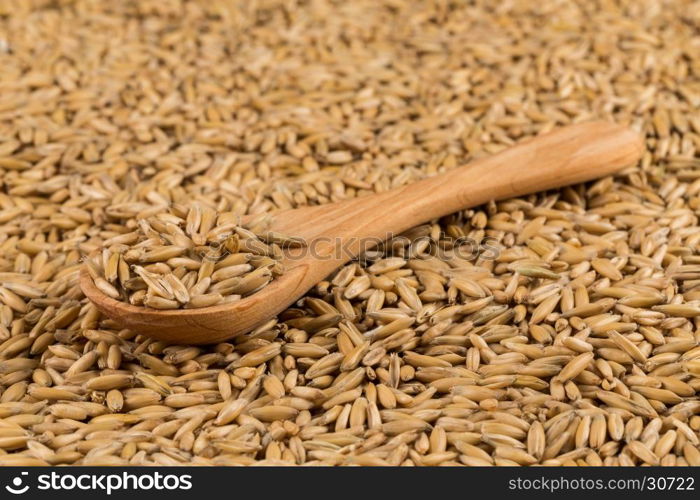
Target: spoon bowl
<point x="337" y="232"/>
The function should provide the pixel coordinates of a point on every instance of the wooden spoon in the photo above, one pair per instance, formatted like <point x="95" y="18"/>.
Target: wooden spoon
<point x="336" y="232"/>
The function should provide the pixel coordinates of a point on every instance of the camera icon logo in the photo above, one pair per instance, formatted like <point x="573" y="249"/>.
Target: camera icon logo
<point x="17" y="488"/>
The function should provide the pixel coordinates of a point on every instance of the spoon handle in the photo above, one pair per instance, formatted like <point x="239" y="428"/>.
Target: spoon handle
<point x="569" y="155"/>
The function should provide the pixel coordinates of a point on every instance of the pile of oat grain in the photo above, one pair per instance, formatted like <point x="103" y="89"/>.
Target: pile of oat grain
<point x="578" y="344"/>
<point x="185" y="257"/>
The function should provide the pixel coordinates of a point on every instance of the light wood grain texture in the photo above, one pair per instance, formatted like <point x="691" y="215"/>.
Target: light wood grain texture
<point x="570" y="155"/>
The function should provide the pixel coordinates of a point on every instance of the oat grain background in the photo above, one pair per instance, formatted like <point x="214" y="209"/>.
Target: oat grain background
<point x="577" y="345"/>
